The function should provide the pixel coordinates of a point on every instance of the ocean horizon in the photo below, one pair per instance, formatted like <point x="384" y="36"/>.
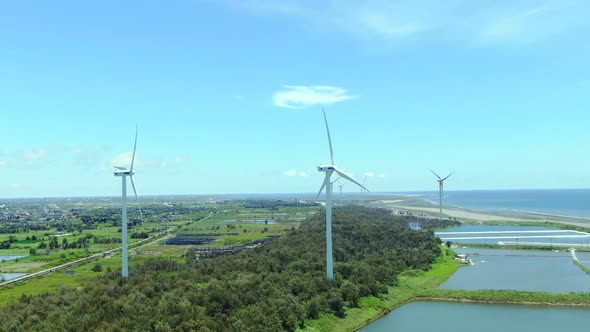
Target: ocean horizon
<point x="558" y="202"/>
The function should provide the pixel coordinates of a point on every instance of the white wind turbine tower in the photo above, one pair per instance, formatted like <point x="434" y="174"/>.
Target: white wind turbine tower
<point x="328" y="170"/>
<point x="362" y="201"/>
<point x="341" y="185"/>
<point x="440" y="191"/>
<point x="364" y="181"/>
<point x="124" y="173"/>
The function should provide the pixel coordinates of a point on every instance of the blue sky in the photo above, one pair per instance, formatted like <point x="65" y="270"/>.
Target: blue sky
<point x="227" y="94"/>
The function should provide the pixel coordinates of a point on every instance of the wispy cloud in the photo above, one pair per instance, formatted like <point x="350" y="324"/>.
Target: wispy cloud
<point x="395" y="20"/>
<point x="373" y="174"/>
<point x="383" y="24"/>
<point x="300" y="96"/>
<point x="179" y="159"/>
<point x="294" y="172"/>
<point x="35" y="154"/>
<point x="124" y="160"/>
<point x="514" y="26"/>
<point x="87" y="156"/>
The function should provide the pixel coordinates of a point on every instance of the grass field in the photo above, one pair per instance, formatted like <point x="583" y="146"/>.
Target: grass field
<point x="214" y="223"/>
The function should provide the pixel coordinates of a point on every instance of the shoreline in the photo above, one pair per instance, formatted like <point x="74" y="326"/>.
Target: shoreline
<point x="510" y="212"/>
<point x="532" y="303"/>
<point x="484" y="215"/>
<point x="460" y="300"/>
<point x="424" y="287"/>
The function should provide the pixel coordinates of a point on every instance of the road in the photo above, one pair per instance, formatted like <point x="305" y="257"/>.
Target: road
<point x="150" y="240"/>
<point x="83" y="260"/>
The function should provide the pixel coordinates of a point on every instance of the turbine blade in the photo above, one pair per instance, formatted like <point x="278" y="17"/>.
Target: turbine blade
<point x="336" y="180"/>
<point x="322" y="187"/>
<point x="120" y="168"/>
<point x="448" y="176"/>
<point x="329" y="138"/>
<point x="134" y="148"/>
<point x="435" y="174"/>
<point x="136" y="197"/>
<point x="349" y="178"/>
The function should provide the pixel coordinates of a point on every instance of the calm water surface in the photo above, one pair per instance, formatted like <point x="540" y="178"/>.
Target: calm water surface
<point x="10" y="276"/>
<point x="9" y="258"/>
<point x="562" y="202"/>
<point x="494" y="234"/>
<point x="519" y="270"/>
<point x="468" y="317"/>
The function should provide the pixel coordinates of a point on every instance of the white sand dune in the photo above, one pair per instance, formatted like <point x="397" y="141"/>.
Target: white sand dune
<point x="460" y="214"/>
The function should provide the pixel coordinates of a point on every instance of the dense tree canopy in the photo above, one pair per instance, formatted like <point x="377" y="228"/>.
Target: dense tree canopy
<point x="274" y="287"/>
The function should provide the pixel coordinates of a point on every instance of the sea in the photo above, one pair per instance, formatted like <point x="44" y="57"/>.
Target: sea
<point x="558" y="202"/>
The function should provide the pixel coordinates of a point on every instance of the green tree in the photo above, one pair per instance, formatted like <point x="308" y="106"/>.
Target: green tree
<point x="97" y="267"/>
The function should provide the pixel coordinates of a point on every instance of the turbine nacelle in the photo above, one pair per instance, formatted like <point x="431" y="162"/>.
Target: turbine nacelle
<point x="326" y="168"/>
<point x="121" y="171"/>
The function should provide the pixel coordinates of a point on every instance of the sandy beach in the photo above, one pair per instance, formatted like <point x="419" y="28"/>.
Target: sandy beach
<point x="480" y="216"/>
<point x="460" y="214"/>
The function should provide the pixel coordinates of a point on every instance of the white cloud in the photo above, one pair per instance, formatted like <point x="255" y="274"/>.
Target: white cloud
<point x="124" y="160"/>
<point x="85" y="156"/>
<point x="382" y="24"/>
<point x="300" y="96"/>
<point x="515" y="26"/>
<point x="373" y="174"/>
<point x="294" y="172"/>
<point x="145" y="164"/>
<point x="35" y="154"/>
<point x="392" y="21"/>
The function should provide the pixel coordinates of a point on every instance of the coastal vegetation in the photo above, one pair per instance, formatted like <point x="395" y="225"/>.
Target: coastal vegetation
<point x="279" y="286"/>
<point x="380" y="264"/>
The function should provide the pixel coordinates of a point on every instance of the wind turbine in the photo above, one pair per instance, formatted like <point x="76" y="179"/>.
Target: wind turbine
<point x="328" y="171"/>
<point x="341" y="185"/>
<point x="362" y="201"/>
<point x="124" y="173"/>
<point x="365" y="180"/>
<point x="440" y="191"/>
